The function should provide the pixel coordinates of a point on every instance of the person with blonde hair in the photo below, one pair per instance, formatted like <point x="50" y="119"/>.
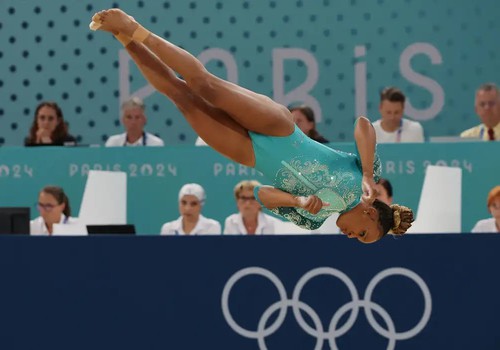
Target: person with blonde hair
<point x="310" y="181"/>
<point x="491" y="225"/>
<point x="250" y="220"/>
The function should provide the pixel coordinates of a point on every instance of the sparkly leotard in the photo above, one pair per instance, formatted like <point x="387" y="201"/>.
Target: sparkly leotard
<point x="300" y="166"/>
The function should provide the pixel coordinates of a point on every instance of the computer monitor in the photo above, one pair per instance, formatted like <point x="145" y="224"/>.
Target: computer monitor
<point x="111" y="229"/>
<point x="15" y="220"/>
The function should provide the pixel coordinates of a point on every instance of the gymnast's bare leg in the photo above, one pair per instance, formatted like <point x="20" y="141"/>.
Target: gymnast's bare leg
<point x="214" y="125"/>
<point x="252" y="111"/>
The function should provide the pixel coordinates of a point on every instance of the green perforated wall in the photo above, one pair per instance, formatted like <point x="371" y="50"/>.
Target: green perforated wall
<point x="357" y="47"/>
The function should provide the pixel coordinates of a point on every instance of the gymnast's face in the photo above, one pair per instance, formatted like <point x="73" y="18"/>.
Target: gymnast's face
<point x="134" y="120"/>
<point x="361" y="223"/>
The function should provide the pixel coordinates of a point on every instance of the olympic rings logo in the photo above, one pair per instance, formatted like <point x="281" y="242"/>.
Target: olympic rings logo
<point x="333" y="331"/>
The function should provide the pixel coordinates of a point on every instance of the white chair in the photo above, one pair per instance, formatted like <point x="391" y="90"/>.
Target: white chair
<point x="104" y="200"/>
<point x="440" y="206"/>
<point x="70" y="229"/>
<point x="329" y="226"/>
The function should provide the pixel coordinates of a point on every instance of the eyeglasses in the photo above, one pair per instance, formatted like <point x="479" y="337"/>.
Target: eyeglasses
<point x="45" y="207"/>
<point x="245" y="199"/>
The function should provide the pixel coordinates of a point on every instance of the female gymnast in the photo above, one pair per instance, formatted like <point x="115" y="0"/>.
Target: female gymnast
<point x="310" y="180"/>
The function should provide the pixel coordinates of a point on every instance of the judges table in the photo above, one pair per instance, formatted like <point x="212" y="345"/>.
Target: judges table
<point x="247" y="293"/>
<point x="155" y="175"/>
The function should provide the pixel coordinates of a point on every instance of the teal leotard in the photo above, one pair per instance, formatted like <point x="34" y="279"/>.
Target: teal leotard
<point x="300" y="166"/>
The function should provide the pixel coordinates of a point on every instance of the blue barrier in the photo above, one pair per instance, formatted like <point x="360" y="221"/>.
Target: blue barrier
<point x="421" y="292"/>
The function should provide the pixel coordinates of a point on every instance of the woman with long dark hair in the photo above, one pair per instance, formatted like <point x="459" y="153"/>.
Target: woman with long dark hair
<point x="304" y="118"/>
<point x="49" y="127"/>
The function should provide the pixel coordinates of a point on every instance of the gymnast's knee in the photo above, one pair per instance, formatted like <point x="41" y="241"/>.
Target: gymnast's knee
<point x="203" y="85"/>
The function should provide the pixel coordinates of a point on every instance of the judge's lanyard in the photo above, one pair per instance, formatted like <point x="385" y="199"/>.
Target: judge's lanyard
<point x="399" y="132"/>
<point x="143" y="139"/>
<point x="481" y="134"/>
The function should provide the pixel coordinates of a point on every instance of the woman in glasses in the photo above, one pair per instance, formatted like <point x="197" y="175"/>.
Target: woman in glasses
<point x="54" y="208"/>
<point x="250" y="220"/>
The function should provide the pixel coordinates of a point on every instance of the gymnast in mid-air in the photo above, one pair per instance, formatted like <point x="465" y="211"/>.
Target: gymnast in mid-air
<point x="310" y="181"/>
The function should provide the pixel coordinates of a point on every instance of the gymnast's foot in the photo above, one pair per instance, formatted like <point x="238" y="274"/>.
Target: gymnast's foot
<point x="116" y="21"/>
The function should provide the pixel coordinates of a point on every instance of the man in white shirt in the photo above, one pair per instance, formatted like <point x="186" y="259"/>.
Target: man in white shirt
<point x="191" y="222"/>
<point x="134" y="120"/>
<point x="392" y="127"/>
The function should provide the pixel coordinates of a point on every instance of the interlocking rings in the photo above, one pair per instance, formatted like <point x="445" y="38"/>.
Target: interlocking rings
<point x="333" y="332"/>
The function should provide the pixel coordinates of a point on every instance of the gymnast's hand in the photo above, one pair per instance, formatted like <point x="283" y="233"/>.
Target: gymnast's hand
<point x="312" y="204"/>
<point x="369" y="189"/>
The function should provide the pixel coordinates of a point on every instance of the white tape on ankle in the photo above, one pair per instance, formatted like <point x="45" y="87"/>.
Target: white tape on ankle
<point x="94" y="25"/>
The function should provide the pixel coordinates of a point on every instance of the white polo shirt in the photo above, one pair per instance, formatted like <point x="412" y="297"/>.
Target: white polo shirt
<point x="204" y="226"/>
<point x="410" y="131"/>
<point x="38" y="227"/>
<point x="234" y="225"/>
<point x="146" y="140"/>
<point x="485" y="226"/>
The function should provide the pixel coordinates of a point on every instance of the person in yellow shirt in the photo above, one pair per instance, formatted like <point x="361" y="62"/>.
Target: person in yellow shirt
<point x="487" y="107"/>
